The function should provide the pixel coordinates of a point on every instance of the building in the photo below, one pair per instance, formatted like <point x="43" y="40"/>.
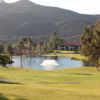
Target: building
<point x="70" y="46"/>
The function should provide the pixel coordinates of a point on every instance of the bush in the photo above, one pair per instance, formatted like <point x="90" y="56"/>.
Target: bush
<point x="5" y="60"/>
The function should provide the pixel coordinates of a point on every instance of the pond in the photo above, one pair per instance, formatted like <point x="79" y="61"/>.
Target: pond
<point x="46" y="63"/>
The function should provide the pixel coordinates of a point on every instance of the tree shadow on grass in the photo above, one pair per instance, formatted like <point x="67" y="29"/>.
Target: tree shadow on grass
<point x="6" y="81"/>
<point x="3" y="97"/>
<point x="81" y="74"/>
<point x="16" y="97"/>
<point x="20" y="99"/>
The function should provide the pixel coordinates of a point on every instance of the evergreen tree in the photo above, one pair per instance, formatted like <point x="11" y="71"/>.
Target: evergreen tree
<point x="10" y="50"/>
<point x="2" y="48"/>
<point x="91" y="43"/>
<point x="52" y="44"/>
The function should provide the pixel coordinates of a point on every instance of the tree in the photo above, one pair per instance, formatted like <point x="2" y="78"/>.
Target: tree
<point x="25" y="43"/>
<point x="4" y="60"/>
<point x="39" y="48"/>
<point x="91" y="43"/>
<point x="54" y="42"/>
<point x="10" y="50"/>
<point x="2" y="48"/>
<point x="21" y="46"/>
<point x="30" y="44"/>
<point x="45" y="48"/>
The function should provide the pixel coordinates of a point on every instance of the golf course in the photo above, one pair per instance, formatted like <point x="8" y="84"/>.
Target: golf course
<point x="67" y="84"/>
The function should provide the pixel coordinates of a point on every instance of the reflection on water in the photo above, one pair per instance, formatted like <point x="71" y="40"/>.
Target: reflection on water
<point x="47" y="63"/>
<point x="87" y="63"/>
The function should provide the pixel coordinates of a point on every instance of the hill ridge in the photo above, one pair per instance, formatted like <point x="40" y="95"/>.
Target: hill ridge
<point x="25" y="18"/>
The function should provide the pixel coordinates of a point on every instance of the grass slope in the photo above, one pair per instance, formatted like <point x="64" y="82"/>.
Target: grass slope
<point x="67" y="84"/>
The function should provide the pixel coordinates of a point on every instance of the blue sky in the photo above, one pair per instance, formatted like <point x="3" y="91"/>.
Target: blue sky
<point x="81" y="6"/>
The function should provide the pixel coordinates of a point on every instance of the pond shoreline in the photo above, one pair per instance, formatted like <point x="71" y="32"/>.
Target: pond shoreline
<point x="36" y="62"/>
<point x="70" y="55"/>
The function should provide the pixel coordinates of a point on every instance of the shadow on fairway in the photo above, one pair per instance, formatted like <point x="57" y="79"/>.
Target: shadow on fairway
<point x="3" y="97"/>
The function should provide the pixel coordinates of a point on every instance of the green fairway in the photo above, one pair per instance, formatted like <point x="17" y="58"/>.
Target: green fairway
<point x="68" y="54"/>
<point x="67" y="84"/>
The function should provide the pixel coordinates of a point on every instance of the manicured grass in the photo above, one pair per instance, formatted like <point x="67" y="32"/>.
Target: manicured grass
<point x="67" y="84"/>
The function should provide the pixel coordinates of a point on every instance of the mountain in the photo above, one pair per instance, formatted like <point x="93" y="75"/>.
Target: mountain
<point x="25" y="18"/>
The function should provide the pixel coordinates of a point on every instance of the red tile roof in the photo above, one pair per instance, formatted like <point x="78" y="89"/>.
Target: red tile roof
<point x="72" y="44"/>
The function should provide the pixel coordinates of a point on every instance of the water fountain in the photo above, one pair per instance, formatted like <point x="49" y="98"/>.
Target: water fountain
<point x="49" y="64"/>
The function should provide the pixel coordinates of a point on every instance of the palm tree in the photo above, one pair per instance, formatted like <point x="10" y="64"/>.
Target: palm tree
<point x="34" y="48"/>
<point x="21" y="46"/>
<point x="30" y="43"/>
<point x="25" y="42"/>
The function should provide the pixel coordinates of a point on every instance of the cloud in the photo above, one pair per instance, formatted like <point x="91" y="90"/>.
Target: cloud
<point x="1" y="0"/>
<point x="10" y="1"/>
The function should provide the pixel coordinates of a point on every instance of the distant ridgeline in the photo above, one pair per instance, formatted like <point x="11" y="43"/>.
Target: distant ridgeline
<point x="24" y="18"/>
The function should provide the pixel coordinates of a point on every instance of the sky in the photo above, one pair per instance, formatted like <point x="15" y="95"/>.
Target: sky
<point x="81" y="6"/>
